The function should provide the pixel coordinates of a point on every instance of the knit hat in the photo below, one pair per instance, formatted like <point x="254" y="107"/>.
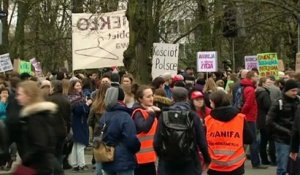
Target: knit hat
<point x="115" y="77"/>
<point x="179" y="94"/>
<point x="290" y="84"/>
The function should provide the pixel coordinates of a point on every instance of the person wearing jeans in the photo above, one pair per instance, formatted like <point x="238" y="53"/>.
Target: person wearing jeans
<point x="280" y="120"/>
<point x="254" y="147"/>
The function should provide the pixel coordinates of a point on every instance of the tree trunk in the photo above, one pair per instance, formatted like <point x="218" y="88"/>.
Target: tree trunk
<point x="5" y="29"/>
<point x="19" y="41"/>
<point x="143" y="28"/>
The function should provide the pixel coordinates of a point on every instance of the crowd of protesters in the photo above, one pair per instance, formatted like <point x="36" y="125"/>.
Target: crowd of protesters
<point x="50" y="121"/>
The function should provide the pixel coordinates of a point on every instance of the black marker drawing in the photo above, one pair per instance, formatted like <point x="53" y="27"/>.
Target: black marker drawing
<point x="97" y="52"/>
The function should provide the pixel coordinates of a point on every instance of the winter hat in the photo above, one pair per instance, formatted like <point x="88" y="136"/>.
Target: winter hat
<point x="290" y="84"/>
<point x="115" y="77"/>
<point x="179" y="94"/>
<point x="196" y="94"/>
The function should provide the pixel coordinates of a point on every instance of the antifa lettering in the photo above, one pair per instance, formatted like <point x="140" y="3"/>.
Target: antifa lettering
<point x="231" y="134"/>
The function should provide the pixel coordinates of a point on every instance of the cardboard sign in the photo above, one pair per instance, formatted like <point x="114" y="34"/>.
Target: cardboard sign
<point x="99" y="40"/>
<point x="268" y="64"/>
<point x="5" y="63"/>
<point x="25" y="66"/>
<point x="165" y="59"/>
<point x="207" y="61"/>
<point x="251" y="62"/>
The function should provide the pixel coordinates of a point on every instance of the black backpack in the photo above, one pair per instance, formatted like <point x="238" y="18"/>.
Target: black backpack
<point x="178" y="143"/>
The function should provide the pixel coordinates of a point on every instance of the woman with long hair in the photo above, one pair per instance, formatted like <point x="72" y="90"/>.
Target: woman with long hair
<point x="97" y="109"/>
<point x="80" y="110"/>
<point x="209" y="87"/>
<point x="38" y="133"/>
<point x="145" y="120"/>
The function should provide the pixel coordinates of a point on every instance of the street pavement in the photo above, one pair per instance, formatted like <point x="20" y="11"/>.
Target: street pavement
<point x="249" y="170"/>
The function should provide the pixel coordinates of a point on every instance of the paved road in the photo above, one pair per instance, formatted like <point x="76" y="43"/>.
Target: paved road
<point x="249" y="171"/>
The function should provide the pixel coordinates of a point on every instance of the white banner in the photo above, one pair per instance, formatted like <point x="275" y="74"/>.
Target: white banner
<point x="251" y="62"/>
<point x="99" y="40"/>
<point x="207" y="61"/>
<point x="165" y="59"/>
<point x="5" y="63"/>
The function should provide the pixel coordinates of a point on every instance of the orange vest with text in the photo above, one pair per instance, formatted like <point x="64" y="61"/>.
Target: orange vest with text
<point x="146" y="153"/>
<point x="225" y="143"/>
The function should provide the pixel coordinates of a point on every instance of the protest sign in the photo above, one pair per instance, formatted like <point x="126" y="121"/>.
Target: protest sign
<point x="5" y="63"/>
<point x="268" y="64"/>
<point x="37" y="67"/>
<point x="207" y="61"/>
<point x="99" y="40"/>
<point x="165" y="59"/>
<point x="251" y="62"/>
<point x="25" y="66"/>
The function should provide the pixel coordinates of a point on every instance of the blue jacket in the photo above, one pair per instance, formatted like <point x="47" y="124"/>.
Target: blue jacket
<point x="79" y="123"/>
<point x="3" y="111"/>
<point x="168" y="91"/>
<point x="121" y="133"/>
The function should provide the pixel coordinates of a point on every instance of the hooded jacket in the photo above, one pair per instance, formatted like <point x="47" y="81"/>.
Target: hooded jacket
<point x="121" y="133"/>
<point x="264" y="103"/>
<point x="225" y="114"/>
<point x="162" y="102"/>
<point x="38" y="137"/>
<point x="191" y="168"/>
<point x="250" y="105"/>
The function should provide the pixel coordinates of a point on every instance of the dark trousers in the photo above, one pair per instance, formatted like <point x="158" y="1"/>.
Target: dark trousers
<point x="145" y="169"/>
<point x="265" y="139"/>
<point x="254" y="150"/>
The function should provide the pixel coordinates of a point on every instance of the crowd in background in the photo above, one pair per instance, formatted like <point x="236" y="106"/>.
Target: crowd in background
<point x="50" y="121"/>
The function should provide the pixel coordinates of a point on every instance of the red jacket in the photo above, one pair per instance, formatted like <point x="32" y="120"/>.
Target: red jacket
<point x="250" y="106"/>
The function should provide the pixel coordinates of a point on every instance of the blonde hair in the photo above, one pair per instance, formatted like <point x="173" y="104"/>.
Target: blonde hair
<point x="32" y="90"/>
<point x="210" y="86"/>
<point x="98" y="105"/>
<point x="65" y="86"/>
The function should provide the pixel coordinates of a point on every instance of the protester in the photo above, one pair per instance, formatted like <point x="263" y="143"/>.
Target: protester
<point x="62" y="118"/>
<point x="38" y="133"/>
<point x="198" y="105"/>
<point x="171" y="161"/>
<point x="226" y="151"/>
<point x="120" y="132"/>
<point x="249" y="109"/>
<point x="280" y="120"/>
<point x="209" y="87"/>
<point x="145" y="120"/>
<point x="263" y="103"/>
<point x="97" y="110"/>
<point x="80" y="109"/>
<point x="167" y="84"/>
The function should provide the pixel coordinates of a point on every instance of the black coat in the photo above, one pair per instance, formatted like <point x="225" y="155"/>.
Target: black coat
<point x="296" y="132"/>
<point x="190" y="168"/>
<point x="62" y="117"/>
<point x="280" y="122"/>
<point x="13" y="121"/>
<point x="263" y="105"/>
<point x="38" y="137"/>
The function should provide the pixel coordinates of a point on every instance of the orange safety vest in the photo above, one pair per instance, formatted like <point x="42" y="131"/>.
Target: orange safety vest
<point x="225" y="143"/>
<point x="146" y="153"/>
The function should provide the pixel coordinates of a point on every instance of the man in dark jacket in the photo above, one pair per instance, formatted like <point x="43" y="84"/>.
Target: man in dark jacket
<point x="62" y="119"/>
<point x="264" y="103"/>
<point x="165" y="167"/>
<point x="280" y="120"/>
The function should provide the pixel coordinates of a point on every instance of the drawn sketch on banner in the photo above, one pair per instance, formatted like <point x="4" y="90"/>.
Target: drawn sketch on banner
<point x="268" y="64"/>
<point x="99" y="40"/>
<point x="207" y="61"/>
<point x="165" y="59"/>
<point x="5" y="63"/>
<point x="251" y="62"/>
